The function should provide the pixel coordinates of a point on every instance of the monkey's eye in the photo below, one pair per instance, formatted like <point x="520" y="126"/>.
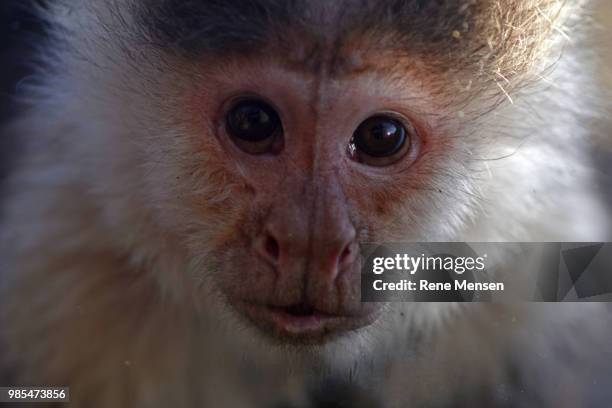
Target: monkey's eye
<point x="254" y="126"/>
<point x="380" y="140"/>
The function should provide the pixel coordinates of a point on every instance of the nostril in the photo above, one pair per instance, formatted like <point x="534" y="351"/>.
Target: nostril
<point x="271" y="247"/>
<point x="346" y="255"/>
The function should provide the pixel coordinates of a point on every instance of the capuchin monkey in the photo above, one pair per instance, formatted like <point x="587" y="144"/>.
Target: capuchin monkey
<point x="193" y="180"/>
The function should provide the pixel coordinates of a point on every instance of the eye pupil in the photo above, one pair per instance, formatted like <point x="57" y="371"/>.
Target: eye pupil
<point x="252" y="121"/>
<point x="251" y="118"/>
<point x="380" y="136"/>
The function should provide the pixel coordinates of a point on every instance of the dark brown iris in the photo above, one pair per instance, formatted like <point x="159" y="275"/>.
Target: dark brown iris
<point x="379" y="136"/>
<point x="253" y="121"/>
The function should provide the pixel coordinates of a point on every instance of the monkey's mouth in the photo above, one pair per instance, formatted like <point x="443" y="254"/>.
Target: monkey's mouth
<point x="302" y="323"/>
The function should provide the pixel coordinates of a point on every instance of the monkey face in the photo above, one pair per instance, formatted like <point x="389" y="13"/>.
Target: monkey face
<point x="284" y="174"/>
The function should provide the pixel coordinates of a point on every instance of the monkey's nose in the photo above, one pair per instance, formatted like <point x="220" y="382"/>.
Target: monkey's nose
<point x="327" y="253"/>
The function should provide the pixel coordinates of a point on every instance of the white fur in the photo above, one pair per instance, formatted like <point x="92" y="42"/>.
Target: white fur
<point x="91" y="217"/>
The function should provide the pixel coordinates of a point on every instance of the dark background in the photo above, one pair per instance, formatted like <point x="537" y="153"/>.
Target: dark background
<point x="20" y="32"/>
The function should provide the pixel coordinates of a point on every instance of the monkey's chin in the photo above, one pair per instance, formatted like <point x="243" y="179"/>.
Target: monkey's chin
<point x="299" y="326"/>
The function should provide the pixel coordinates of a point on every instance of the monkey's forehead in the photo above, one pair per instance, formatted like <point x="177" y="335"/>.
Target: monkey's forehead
<point x="503" y="37"/>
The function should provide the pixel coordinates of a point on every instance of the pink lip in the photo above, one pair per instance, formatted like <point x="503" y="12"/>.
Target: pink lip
<point x="307" y="326"/>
